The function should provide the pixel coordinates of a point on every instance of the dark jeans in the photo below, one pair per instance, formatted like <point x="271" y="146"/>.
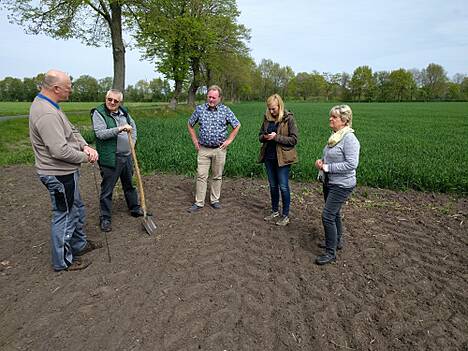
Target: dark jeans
<point x="123" y="170"/>
<point x="278" y="177"/>
<point x="334" y="196"/>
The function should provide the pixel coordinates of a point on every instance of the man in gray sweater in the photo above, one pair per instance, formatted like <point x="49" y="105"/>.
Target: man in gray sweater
<point x="59" y="150"/>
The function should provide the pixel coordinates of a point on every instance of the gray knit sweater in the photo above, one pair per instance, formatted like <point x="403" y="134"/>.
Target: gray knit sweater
<point x="57" y="144"/>
<point x="342" y="160"/>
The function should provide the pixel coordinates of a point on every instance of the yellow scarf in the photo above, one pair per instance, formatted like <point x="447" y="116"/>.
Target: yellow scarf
<point x="336" y="137"/>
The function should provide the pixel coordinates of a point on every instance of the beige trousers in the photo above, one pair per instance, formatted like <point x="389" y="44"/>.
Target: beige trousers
<point x="216" y="158"/>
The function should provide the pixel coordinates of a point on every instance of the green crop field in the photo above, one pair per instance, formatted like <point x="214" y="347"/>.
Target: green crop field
<point x="422" y="146"/>
<point x="22" y="108"/>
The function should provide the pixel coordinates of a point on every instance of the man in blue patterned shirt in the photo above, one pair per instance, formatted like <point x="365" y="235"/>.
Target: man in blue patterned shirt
<point x="211" y="145"/>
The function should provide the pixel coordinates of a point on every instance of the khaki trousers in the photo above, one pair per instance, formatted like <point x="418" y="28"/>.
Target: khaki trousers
<point x="216" y="158"/>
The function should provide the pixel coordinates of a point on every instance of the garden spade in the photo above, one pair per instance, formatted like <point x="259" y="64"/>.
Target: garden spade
<point x="148" y="223"/>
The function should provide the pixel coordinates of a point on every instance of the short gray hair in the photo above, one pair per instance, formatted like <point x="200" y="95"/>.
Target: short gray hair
<point x="52" y="78"/>
<point x="115" y="91"/>
<point x="344" y="112"/>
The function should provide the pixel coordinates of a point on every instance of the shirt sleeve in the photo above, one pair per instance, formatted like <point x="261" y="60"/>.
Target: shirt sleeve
<point x="194" y="118"/>
<point x="100" y="128"/>
<point x="231" y="118"/>
<point x="134" y="129"/>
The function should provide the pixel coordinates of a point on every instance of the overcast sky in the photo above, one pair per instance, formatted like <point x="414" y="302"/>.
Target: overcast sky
<point x="307" y="35"/>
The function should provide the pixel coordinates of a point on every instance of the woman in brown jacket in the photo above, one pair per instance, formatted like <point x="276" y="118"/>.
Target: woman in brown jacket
<point x="278" y="134"/>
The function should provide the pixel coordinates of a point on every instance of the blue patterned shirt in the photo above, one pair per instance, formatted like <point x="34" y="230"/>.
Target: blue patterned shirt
<point x="213" y="123"/>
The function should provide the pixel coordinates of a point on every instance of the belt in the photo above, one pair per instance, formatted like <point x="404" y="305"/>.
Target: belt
<point x="211" y="146"/>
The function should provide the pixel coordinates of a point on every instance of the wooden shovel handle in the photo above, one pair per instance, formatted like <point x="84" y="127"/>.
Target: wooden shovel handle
<point x="137" y="170"/>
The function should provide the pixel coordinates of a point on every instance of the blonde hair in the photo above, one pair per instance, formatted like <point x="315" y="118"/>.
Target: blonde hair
<point x="344" y="112"/>
<point x="275" y="98"/>
<point x="217" y="88"/>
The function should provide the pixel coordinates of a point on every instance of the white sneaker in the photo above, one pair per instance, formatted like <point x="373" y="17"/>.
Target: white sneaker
<point x="283" y="221"/>
<point x="271" y="216"/>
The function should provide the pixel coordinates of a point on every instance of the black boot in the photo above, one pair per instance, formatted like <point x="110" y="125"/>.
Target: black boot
<point x="324" y="259"/>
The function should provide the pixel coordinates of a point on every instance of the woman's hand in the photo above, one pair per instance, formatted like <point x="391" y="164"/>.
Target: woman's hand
<point x="319" y="165"/>
<point x="270" y="136"/>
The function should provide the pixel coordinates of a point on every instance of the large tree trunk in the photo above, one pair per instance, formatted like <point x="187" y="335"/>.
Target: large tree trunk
<point x="175" y="97"/>
<point x="192" y="92"/>
<point x="118" y="47"/>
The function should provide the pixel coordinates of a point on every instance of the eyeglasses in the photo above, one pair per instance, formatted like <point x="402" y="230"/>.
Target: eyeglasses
<point x="113" y="100"/>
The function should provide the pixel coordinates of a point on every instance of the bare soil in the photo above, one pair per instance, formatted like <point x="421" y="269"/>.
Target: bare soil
<point x="227" y="280"/>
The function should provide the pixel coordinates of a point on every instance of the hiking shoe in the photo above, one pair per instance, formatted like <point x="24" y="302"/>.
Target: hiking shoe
<point x="324" y="259"/>
<point x="339" y="246"/>
<point x="90" y="246"/>
<point x="137" y="213"/>
<point x="216" y="205"/>
<point x="271" y="216"/>
<point x="106" y="225"/>
<point x="194" y="208"/>
<point x="78" y="264"/>
<point x="283" y="221"/>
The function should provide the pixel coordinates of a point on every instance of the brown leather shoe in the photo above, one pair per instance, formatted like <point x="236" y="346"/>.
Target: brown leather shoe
<point x="78" y="265"/>
<point x="90" y="246"/>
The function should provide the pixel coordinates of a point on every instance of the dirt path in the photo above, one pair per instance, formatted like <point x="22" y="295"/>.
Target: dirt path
<point x="226" y="280"/>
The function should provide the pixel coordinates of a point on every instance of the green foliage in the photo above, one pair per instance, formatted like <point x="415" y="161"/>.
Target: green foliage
<point x="362" y="84"/>
<point x="189" y="39"/>
<point x="86" y="88"/>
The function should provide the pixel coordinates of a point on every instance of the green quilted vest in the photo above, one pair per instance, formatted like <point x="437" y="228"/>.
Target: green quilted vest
<point x="106" y="148"/>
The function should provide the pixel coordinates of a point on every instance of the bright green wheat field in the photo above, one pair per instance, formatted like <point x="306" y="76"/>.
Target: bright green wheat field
<point x="422" y="146"/>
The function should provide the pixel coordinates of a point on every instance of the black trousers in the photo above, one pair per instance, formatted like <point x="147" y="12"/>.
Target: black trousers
<point x="123" y="170"/>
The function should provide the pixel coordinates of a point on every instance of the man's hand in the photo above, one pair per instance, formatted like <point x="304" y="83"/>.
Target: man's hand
<point x="125" y="128"/>
<point x="92" y="154"/>
<point x="225" y="144"/>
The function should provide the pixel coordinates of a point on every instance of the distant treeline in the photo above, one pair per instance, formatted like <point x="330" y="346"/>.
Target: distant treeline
<point x="259" y="81"/>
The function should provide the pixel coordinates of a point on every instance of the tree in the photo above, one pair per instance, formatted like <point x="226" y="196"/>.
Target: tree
<point x="275" y="78"/>
<point x="309" y="85"/>
<point x="401" y="85"/>
<point x="464" y="88"/>
<point x="11" y="89"/>
<point x="86" y="88"/>
<point x="453" y="92"/>
<point x="434" y="80"/>
<point x="236" y="76"/>
<point x="362" y="84"/>
<point x="30" y="88"/>
<point x="186" y="37"/>
<point x="164" y="40"/>
<point x="382" y="86"/>
<point x="160" y="89"/>
<point x="105" y="84"/>
<point x="94" y="22"/>
<point x="345" y="86"/>
<point x="458" y="78"/>
<point x="332" y="85"/>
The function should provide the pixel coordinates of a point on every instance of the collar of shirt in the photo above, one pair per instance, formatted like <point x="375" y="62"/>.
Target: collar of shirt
<point x="207" y="107"/>
<point x="40" y="96"/>
<point x="115" y="113"/>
